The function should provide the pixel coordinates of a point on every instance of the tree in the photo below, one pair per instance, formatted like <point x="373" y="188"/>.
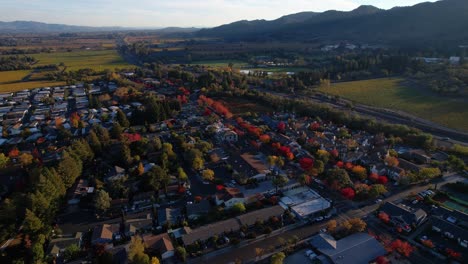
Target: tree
<point x="69" y="169"/>
<point x="102" y="201"/>
<point x="71" y="252"/>
<point x="391" y="161"/>
<point x="125" y="155"/>
<point x="279" y="182"/>
<point x="238" y="208"/>
<point x="154" y="260"/>
<point x="271" y="160"/>
<point x="140" y="169"/>
<point x="208" y="175"/>
<point x="136" y="251"/>
<point x="94" y="142"/>
<point x="401" y="247"/>
<point x="25" y="159"/>
<point x="4" y="160"/>
<point x="429" y="173"/>
<point x="122" y="119"/>
<point x="278" y="258"/>
<point x="376" y="190"/>
<point x="360" y="172"/>
<point x="116" y="131"/>
<point x="198" y="163"/>
<point x="384" y="217"/>
<point x="348" y="193"/>
<point x="331" y="226"/>
<point x="181" y="175"/>
<point x="304" y="179"/>
<point x="38" y="252"/>
<point x="259" y="252"/>
<point x="32" y="224"/>
<point x="354" y="225"/>
<point x="338" y="178"/>
<point x="181" y="253"/>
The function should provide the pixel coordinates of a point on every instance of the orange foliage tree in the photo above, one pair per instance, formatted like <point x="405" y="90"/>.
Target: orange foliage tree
<point x="402" y="247"/>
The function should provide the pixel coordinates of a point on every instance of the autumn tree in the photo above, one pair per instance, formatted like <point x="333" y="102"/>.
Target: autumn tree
<point x="376" y="190"/>
<point x="391" y="161"/>
<point x="348" y="193"/>
<point x="140" y="169"/>
<point x="136" y="251"/>
<point x="331" y="226"/>
<point x="25" y="159"/>
<point x="181" y="253"/>
<point x="401" y="247"/>
<point x="278" y="258"/>
<point x="181" y="175"/>
<point x="208" y="175"/>
<point x="238" y="208"/>
<point x="360" y="172"/>
<point x="304" y="179"/>
<point x="198" y="163"/>
<point x="32" y="224"/>
<point x="4" y="160"/>
<point x="384" y="217"/>
<point x="354" y="225"/>
<point x="338" y="178"/>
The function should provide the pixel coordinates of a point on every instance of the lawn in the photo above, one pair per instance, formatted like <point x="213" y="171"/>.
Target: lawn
<point x="12" y="76"/>
<point x="94" y="59"/>
<point x="13" y="87"/>
<point x="391" y="93"/>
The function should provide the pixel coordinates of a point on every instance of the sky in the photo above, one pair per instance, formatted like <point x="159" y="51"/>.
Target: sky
<point x="165" y="13"/>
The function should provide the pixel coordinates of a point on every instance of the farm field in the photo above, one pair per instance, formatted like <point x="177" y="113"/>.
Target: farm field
<point x="96" y="60"/>
<point x="13" y="76"/>
<point x="391" y="93"/>
<point x="18" y="86"/>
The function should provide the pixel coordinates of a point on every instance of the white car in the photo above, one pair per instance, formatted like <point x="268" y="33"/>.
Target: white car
<point x="309" y="252"/>
<point x="318" y="219"/>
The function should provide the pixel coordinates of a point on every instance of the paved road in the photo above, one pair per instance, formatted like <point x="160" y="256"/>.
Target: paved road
<point x="246" y="253"/>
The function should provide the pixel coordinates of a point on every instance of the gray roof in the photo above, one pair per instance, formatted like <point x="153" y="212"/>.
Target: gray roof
<point x="207" y="231"/>
<point x="202" y="207"/>
<point x="359" y="248"/>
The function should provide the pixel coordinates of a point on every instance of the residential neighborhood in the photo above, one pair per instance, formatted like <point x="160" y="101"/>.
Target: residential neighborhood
<point x="174" y="172"/>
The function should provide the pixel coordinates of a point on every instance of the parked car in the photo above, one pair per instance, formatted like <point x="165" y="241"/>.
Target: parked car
<point x="415" y="201"/>
<point x="318" y="219"/>
<point x="378" y="201"/>
<point x="309" y="252"/>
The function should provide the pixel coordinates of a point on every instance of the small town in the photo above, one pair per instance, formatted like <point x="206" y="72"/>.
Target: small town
<point x="159" y="170"/>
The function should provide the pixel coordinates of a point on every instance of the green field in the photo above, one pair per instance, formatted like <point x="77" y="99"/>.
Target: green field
<point x="392" y="94"/>
<point x="220" y="63"/>
<point x="94" y="59"/>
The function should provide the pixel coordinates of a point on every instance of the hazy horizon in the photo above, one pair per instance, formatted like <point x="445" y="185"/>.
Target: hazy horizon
<point x="175" y="13"/>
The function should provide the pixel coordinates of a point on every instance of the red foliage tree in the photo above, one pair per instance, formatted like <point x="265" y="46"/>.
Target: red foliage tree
<point x="13" y="153"/>
<point x="401" y="247"/>
<point x="281" y="126"/>
<point x="384" y="217"/>
<point x="219" y="187"/>
<point x="382" y="180"/>
<point x="349" y="166"/>
<point x="373" y="177"/>
<point x="453" y="254"/>
<point x="348" y="193"/>
<point x="382" y="260"/>
<point x="306" y="163"/>
<point x="334" y="153"/>
<point x="314" y="126"/>
<point x="74" y="119"/>
<point x="207" y="112"/>
<point x="340" y="164"/>
<point x="265" y="138"/>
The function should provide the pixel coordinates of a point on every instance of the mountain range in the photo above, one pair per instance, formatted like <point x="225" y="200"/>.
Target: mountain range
<point x="440" y="22"/>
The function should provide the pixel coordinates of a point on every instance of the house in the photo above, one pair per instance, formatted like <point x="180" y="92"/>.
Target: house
<point x="58" y="246"/>
<point x="205" y="232"/>
<point x="450" y="230"/>
<point x="104" y="234"/>
<point x="169" y="216"/>
<point x="159" y="245"/>
<point x="359" y="248"/>
<point x="404" y="216"/>
<point x="229" y="197"/>
<point x="133" y="226"/>
<point x="194" y="211"/>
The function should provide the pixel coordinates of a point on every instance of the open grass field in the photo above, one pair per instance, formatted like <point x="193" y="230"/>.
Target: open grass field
<point x="13" y="87"/>
<point x="94" y="59"/>
<point x="391" y="93"/>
